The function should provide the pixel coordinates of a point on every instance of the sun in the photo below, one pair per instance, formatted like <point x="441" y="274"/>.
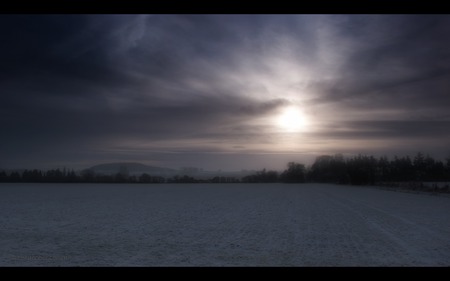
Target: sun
<point x="291" y="119"/>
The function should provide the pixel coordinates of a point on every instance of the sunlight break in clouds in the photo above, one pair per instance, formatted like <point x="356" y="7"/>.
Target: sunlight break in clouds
<point x="96" y="88"/>
<point x="291" y="120"/>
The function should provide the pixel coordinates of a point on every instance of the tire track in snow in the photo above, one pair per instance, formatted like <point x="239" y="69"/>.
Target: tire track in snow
<point x="421" y="245"/>
<point x="335" y="237"/>
<point x="221" y="225"/>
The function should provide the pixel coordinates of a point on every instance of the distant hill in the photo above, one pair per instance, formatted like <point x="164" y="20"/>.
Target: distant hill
<point x="131" y="168"/>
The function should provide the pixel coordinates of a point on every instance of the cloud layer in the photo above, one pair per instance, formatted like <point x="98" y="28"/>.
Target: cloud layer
<point x="82" y="89"/>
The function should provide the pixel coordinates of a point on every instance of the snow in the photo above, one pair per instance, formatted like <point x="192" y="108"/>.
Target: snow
<point x="220" y="225"/>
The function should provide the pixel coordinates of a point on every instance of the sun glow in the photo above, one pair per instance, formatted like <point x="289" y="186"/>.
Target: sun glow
<point x="291" y="119"/>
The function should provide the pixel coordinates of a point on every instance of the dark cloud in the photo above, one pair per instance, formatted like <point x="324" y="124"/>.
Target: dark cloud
<point x="389" y="129"/>
<point x="85" y="88"/>
<point x="263" y="107"/>
<point x="386" y="52"/>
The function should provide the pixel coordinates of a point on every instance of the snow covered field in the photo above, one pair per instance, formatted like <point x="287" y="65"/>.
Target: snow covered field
<point x="220" y="225"/>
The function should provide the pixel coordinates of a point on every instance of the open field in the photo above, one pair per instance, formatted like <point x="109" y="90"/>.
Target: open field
<point x="220" y="225"/>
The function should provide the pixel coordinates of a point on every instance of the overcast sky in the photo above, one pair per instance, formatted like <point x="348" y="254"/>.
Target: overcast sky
<point x="210" y="90"/>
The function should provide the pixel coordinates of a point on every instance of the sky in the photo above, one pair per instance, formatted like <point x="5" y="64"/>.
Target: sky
<point x="226" y="92"/>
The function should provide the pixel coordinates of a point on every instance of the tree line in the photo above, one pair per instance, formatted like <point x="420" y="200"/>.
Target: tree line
<point x="356" y="170"/>
<point x="369" y="170"/>
<point x="404" y="172"/>
<point x="86" y="176"/>
<point x="90" y="176"/>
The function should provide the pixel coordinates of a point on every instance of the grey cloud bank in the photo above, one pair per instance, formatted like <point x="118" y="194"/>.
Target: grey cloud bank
<point x="203" y="90"/>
